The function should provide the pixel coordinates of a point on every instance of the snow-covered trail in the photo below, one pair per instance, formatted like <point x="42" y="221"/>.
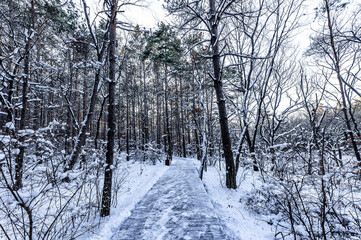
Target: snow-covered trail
<point x="176" y="207"/>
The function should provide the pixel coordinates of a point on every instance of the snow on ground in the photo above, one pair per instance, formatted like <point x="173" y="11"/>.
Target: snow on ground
<point x="139" y="178"/>
<point x="177" y="207"/>
<point x="239" y="222"/>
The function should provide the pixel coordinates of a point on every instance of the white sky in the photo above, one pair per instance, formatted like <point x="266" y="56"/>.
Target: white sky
<point x="152" y="12"/>
<point x="147" y="16"/>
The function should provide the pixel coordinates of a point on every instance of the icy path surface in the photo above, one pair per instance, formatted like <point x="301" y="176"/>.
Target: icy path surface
<point x="176" y="207"/>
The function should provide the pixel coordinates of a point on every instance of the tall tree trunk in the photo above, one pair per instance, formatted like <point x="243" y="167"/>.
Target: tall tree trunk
<point x="69" y="125"/>
<point x="134" y="119"/>
<point x="210" y="127"/>
<point x="177" y="123"/>
<point x="223" y="119"/>
<point x="158" y="111"/>
<point x="107" y="189"/>
<point x="19" y="161"/>
<point x="182" y="119"/>
<point x="195" y="115"/>
<point x="98" y="122"/>
<point x="168" y="128"/>
<point x="39" y="96"/>
<point x="85" y="85"/>
<point x="339" y="77"/>
<point x="128" y="117"/>
<point x="80" y="140"/>
<point x="145" y="116"/>
<point x="10" y="110"/>
<point x="120" y="121"/>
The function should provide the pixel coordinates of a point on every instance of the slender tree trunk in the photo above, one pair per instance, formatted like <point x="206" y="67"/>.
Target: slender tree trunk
<point x="10" y="110"/>
<point x="107" y="189"/>
<point x="19" y="161"/>
<point x="158" y="122"/>
<point x="128" y="117"/>
<point x="98" y="122"/>
<point x="158" y="117"/>
<point x="37" y="107"/>
<point x="223" y="119"/>
<point x="195" y="115"/>
<point x="339" y="77"/>
<point x="203" y="166"/>
<point x="80" y="140"/>
<point x="85" y="85"/>
<point x="145" y="116"/>
<point x="177" y="121"/>
<point x="182" y="119"/>
<point x="209" y="121"/>
<point x="69" y="125"/>
<point x="134" y="119"/>
<point x="198" y="149"/>
<point x="120" y="121"/>
<point x="168" y="128"/>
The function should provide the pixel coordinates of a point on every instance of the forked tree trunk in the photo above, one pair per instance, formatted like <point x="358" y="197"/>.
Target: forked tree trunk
<point x="80" y="140"/>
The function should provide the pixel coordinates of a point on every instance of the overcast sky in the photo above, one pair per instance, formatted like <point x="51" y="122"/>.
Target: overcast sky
<point x="147" y="16"/>
<point x="152" y="12"/>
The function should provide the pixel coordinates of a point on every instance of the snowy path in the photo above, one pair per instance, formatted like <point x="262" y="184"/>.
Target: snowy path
<point x="176" y="207"/>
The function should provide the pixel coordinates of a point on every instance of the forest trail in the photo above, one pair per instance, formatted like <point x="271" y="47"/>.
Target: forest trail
<point x="176" y="207"/>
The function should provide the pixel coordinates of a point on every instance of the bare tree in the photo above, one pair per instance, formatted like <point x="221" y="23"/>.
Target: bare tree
<point x="100" y="49"/>
<point x="195" y="16"/>
<point x="334" y="49"/>
<point x="23" y="116"/>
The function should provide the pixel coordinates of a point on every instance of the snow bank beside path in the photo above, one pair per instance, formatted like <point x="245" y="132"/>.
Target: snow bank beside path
<point x="139" y="180"/>
<point x="238" y="221"/>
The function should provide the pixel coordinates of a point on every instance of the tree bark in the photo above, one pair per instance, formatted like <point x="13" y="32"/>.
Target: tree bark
<point x="80" y="140"/>
<point x="19" y="161"/>
<point x="184" y="149"/>
<point x="168" y="128"/>
<point x="222" y="110"/>
<point x="128" y="122"/>
<point x="339" y="77"/>
<point x="69" y="132"/>
<point x="107" y="189"/>
<point x="98" y="122"/>
<point x="145" y="133"/>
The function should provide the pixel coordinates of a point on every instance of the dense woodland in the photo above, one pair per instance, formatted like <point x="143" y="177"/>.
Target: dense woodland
<point x="224" y="83"/>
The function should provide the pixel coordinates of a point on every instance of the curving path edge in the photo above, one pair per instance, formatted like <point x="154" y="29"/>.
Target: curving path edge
<point x="176" y="207"/>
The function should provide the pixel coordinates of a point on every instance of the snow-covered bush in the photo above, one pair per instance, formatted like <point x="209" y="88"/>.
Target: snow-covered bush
<point x="45" y="207"/>
<point x="311" y="206"/>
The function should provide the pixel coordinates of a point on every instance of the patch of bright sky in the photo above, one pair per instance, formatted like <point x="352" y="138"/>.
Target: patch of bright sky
<point x="149" y="12"/>
<point x="145" y="13"/>
<point x="302" y="36"/>
<point x="147" y="16"/>
<point x="312" y="23"/>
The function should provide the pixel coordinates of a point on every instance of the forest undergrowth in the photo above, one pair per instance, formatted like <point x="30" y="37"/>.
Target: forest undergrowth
<point x="308" y="206"/>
